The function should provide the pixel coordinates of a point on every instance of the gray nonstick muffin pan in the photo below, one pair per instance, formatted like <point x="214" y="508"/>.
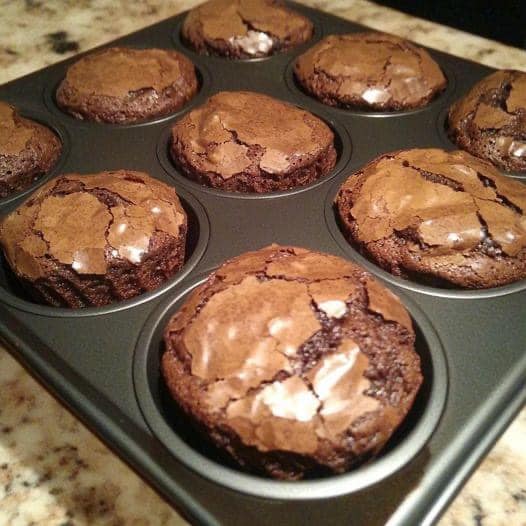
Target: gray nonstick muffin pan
<point x="102" y="363"/>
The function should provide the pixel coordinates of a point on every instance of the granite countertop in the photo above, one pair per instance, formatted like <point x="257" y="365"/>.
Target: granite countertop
<point x="55" y="472"/>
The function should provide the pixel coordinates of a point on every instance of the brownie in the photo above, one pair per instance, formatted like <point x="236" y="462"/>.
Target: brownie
<point x="125" y="85"/>
<point x="250" y="142"/>
<point x="245" y="28"/>
<point x="490" y="121"/>
<point x="294" y="363"/>
<point x="371" y="71"/>
<point x="90" y="240"/>
<point x="28" y="150"/>
<point x="442" y="218"/>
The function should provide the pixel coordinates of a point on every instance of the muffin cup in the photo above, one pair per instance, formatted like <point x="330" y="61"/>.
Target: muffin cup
<point x="333" y="225"/>
<point x="299" y="92"/>
<point x="60" y="131"/>
<point x="49" y="95"/>
<point x="342" y="143"/>
<point x="180" y="42"/>
<point x="12" y="292"/>
<point x="176" y="433"/>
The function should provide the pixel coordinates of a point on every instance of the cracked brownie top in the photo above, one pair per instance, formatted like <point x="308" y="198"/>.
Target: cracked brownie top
<point x="123" y="85"/>
<point x="446" y="217"/>
<point x="237" y="134"/>
<point x="90" y="223"/>
<point x="28" y="150"/>
<point x="370" y="70"/>
<point x="245" y="28"/>
<point x="490" y="121"/>
<point x="290" y="350"/>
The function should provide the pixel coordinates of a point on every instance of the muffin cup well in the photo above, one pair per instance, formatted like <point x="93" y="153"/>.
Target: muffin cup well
<point x="342" y="143"/>
<point x="12" y="292"/>
<point x="49" y="95"/>
<point x="299" y="92"/>
<point x="172" y="428"/>
<point x="442" y="127"/>
<point x="181" y="44"/>
<point x="333" y="224"/>
<point x="49" y="122"/>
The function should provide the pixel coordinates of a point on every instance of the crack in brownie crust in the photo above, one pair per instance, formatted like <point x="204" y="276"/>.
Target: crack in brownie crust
<point x="94" y="239"/>
<point x="28" y="151"/>
<point x="296" y="363"/>
<point x="490" y="121"/>
<point x="372" y="70"/>
<point x="125" y="85"/>
<point x="245" y="28"/>
<point x="443" y="218"/>
<point x="249" y="142"/>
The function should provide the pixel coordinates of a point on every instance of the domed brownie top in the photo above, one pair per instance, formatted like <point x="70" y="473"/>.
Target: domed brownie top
<point x="245" y="28"/>
<point x="450" y="213"/>
<point x="490" y="121"/>
<point x="285" y="345"/>
<point x="236" y="131"/>
<point x="88" y="222"/>
<point x="370" y="70"/>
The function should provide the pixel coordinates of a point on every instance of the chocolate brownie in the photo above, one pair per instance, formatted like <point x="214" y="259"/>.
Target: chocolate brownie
<point x="443" y="218"/>
<point x="490" y="121"/>
<point x="295" y="363"/>
<point x="249" y="142"/>
<point x="90" y="240"/>
<point x="124" y="85"/>
<point x="28" y="150"/>
<point x="373" y="71"/>
<point x="245" y="28"/>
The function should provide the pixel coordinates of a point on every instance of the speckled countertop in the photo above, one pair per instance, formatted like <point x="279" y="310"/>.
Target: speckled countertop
<point x="53" y="472"/>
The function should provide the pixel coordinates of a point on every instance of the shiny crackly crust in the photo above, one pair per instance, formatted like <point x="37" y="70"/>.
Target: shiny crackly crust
<point x="127" y="85"/>
<point x="242" y="29"/>
<point x="28" y="151"/>
<point x="372" y="71"/>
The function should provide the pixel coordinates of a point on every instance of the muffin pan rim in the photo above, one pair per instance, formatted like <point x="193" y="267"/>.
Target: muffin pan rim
<point x="332" y="486"/>
<point x="467" y="329"/>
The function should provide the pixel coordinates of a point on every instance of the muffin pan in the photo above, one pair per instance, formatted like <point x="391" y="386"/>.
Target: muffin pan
<point x="102" y="363"/>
